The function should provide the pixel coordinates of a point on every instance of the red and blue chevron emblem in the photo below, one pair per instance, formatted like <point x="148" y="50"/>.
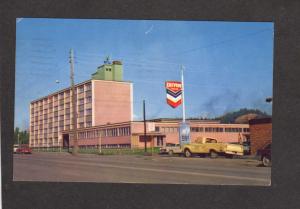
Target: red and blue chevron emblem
<point x="174" y="91"/>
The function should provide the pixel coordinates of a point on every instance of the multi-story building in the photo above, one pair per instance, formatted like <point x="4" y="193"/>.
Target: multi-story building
<point x="103" y="99"/>
<point x="104" y="107"/>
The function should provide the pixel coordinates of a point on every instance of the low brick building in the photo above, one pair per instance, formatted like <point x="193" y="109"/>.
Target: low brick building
<point x="260" y="133"/>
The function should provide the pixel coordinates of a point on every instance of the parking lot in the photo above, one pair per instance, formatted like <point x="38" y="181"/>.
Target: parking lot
<point x="63" y="167"/>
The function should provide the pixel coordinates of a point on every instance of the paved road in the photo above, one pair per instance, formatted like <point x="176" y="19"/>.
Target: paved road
<point x="63" y="167"/>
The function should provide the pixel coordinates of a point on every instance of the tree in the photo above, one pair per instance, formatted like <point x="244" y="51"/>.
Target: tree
<point x="232" y="116"/>
<point x="23" y="136"/>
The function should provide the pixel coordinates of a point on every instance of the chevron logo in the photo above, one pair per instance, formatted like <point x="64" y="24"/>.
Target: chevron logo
<point x="174" y="91"/>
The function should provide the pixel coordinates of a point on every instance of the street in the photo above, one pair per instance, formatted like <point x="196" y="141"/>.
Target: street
<point x="63" y="167"/>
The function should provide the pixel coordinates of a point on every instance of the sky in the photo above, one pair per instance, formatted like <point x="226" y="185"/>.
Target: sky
<point x="227" y="65"/>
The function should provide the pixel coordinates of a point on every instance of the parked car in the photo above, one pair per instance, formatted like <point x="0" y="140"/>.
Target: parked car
<point x="170" y="149"/>
<point x="16" y="146"/>
<point x="212" y="148"/>
<point x="246" y="147"/>
<point x="265" y="155"/>
<point x="24" y="149"/>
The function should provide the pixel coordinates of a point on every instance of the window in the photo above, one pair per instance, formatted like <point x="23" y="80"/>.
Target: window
<point x="89" y="99"/>
<point x="89" y="111"/>
<point x="68" y="116"/>
<point x="68" y="111"/>
<point x="246" y="129"/>
<point x="67" y="105"/>
<point x="81" y="125"/>
<point x="88" y="87"/>
<point x="81" y="113"/>
<point x="81" y="89"/>
<point x="81" y="107"/>
<point x="233" y="129"/>
<point x="208" y="129"/>
<point x="88" y="124"/>
<point x="81" y="101"/>
<point x="194" y="129"/>
<point x="156" y="128"/>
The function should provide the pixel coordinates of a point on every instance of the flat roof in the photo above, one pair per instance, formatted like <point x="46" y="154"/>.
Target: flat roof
<point x="180" y="119"/>
<point x="260" y="121"/>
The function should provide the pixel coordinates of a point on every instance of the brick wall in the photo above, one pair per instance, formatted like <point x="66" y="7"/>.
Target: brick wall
<point x="260" y="134"/>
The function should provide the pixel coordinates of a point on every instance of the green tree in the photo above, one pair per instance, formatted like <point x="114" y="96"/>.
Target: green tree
<point x="23" y="136"/>
<point x="232" y="116"/>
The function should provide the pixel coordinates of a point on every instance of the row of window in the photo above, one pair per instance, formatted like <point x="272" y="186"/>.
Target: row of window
<point x="104" y="146"/>
<point x="121" y="131"/>
<point x="36" y="108"/>
<point x="65" y="107"/>
<point x="201" y="129"/>
<point x="61" y="115"/>
<point x="49" y="127"/>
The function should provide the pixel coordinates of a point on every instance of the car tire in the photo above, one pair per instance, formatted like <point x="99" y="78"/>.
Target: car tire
<point x="266" y="161"/>
<point x="229" y="156"/>
<point x="187" y="153"/>
<point x="213" y="154"/>
<point x="171" y="153"/>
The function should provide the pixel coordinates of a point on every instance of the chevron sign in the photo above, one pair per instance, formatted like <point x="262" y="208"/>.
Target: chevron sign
<point x="174" y="89"/>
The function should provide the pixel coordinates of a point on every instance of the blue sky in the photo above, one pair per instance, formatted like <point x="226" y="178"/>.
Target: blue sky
<point x="228" y="65"/>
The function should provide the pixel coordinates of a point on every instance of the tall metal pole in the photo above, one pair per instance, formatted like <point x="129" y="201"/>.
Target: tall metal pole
<point x="75" y="142"/>
<point x="183" y="104"/>
<point x="145" y="132"/>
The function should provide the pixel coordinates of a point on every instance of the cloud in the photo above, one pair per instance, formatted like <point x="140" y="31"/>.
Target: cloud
<point x="149" y="30"/>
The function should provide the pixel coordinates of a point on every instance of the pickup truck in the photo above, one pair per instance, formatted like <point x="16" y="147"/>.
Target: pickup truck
<point x="211" y="147"/>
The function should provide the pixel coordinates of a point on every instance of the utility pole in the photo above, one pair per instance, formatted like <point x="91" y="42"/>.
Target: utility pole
<point x="75" y="142"/>
<point x="145" y="132"/>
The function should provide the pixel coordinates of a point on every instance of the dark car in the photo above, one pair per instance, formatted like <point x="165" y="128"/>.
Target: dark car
<point x="265" y="155"/>
<point x="24" y="149"/>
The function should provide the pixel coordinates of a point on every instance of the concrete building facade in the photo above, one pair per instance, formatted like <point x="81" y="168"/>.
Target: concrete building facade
<point x="159" y="132"/>
<point x="98" y="102"/>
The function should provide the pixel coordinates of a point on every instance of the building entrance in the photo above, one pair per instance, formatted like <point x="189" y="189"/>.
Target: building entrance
<point x="65" y="141"/>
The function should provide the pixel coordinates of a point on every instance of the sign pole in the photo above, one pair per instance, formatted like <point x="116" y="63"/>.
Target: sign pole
<point x="182" y="88"/>
<point x="145" y="133"/>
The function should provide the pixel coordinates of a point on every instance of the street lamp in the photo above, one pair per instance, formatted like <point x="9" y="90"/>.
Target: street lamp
<point x="269" y="99"/>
